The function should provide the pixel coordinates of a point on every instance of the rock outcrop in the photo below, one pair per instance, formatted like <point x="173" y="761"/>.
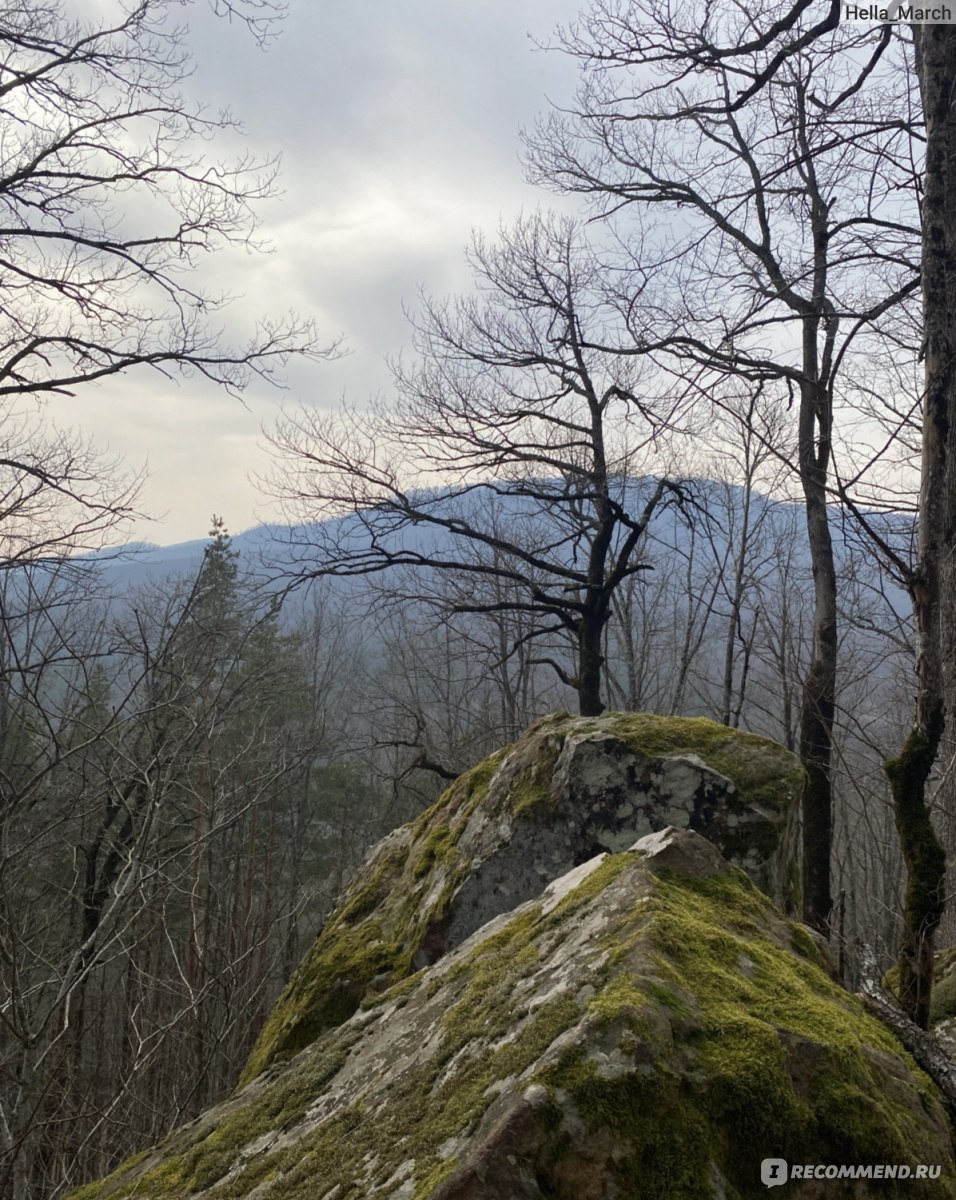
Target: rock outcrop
<point x="515" y="1001"/>
<point x="569" y="789"/>
<point x="648" y="1026"/>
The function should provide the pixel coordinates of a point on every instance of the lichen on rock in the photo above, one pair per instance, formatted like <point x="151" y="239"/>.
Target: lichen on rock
<point x="569" y="788"/>
<point x="648" y="1026"/>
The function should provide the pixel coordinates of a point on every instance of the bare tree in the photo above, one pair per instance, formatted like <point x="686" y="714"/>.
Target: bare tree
<point x="933" y="583"/>
<point x="58" y="494"/>
<point x="782" y="233"/>
<point x="160" y="784"/>
<point x="109" y="201"/>
<point x="510" y="456"/>
<point x="760" y="56"/>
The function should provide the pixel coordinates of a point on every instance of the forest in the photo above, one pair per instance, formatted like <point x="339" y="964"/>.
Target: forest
<point x="685" y="447"/>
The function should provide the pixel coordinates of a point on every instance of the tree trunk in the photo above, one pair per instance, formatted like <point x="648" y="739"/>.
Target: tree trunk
<point x="925" y="865"/>
<point x="819" y="686"/>
<point x="934" y="581"/>
<point x="736" y="604"/>
<point x="590" y="664"/>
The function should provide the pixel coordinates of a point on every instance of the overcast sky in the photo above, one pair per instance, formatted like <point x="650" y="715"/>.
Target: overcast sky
<point x="397" y="125"/>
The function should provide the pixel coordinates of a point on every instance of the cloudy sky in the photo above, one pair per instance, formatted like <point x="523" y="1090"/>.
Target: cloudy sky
<point x="397" y="126"/>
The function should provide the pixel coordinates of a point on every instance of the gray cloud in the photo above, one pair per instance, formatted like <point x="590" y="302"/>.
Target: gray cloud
<point x="397" y="126"/>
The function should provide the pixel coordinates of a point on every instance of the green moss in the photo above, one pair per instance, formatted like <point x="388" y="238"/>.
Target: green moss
<point x="666" y="997"/>
<point x="397" y="994"/>
<point x="532" y="788"/>
<point x="384" y="919"/>
<point x="709" y="1044"/>
<point x="591" y="886"/>
<point x="438" y="847"/>
<point x="483" y="1012"/>
<point x="778" y="1059"/>
<point x="944" y="987"/>
<point x="327" y="990"/>
<point x="713" y="932"/>
<point x="925" y="862"/>
<point x="844" y="1103"/>
<point x="93" y="1191"/>
<point x="374" y="886"/>
<point x="802" y="943"/>
<point x="378" y="928"/>
<point x="657" y="1138"/>
<point x="764" y="773"/>
<point x="717" y="989"/>
<point x="427" y="1184"/>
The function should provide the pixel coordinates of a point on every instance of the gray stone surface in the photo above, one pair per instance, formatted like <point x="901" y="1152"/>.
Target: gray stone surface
<point x="570" y="788"/>
<point x="649" y="1026"/>
<point x="602" y="795"/>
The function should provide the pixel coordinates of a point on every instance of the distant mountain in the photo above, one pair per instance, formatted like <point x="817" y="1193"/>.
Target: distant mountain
<point x="139" y="563"/>
<point x="273" y="550"/>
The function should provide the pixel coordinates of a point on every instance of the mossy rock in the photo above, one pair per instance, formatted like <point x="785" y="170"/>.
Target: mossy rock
<point x="650" y="1027"/>
<point x="570" y="788"/>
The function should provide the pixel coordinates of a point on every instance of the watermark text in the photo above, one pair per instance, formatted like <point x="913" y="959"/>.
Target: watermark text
<point x="897" y="13"/>
<point x="776" y="1171"/>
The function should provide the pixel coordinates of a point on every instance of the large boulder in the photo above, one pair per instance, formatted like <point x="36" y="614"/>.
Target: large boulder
<point x="649" y="1026"/>
<point x="569" y="789"/>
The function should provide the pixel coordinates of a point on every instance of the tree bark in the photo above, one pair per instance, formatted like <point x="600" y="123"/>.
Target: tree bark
<point x="590" y="664"/>
<point x="934" y="579"/>
<point x="819" y="686"/>
<point x="932" y="583"/>
<point x="925" y="863"/>
<point x="923" y="1046"/>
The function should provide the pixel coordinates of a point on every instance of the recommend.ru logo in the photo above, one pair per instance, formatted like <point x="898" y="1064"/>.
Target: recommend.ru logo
<point x="776" y="1171"/>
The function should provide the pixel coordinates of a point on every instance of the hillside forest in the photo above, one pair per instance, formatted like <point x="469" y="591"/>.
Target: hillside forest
<point x="685" y="446"/>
